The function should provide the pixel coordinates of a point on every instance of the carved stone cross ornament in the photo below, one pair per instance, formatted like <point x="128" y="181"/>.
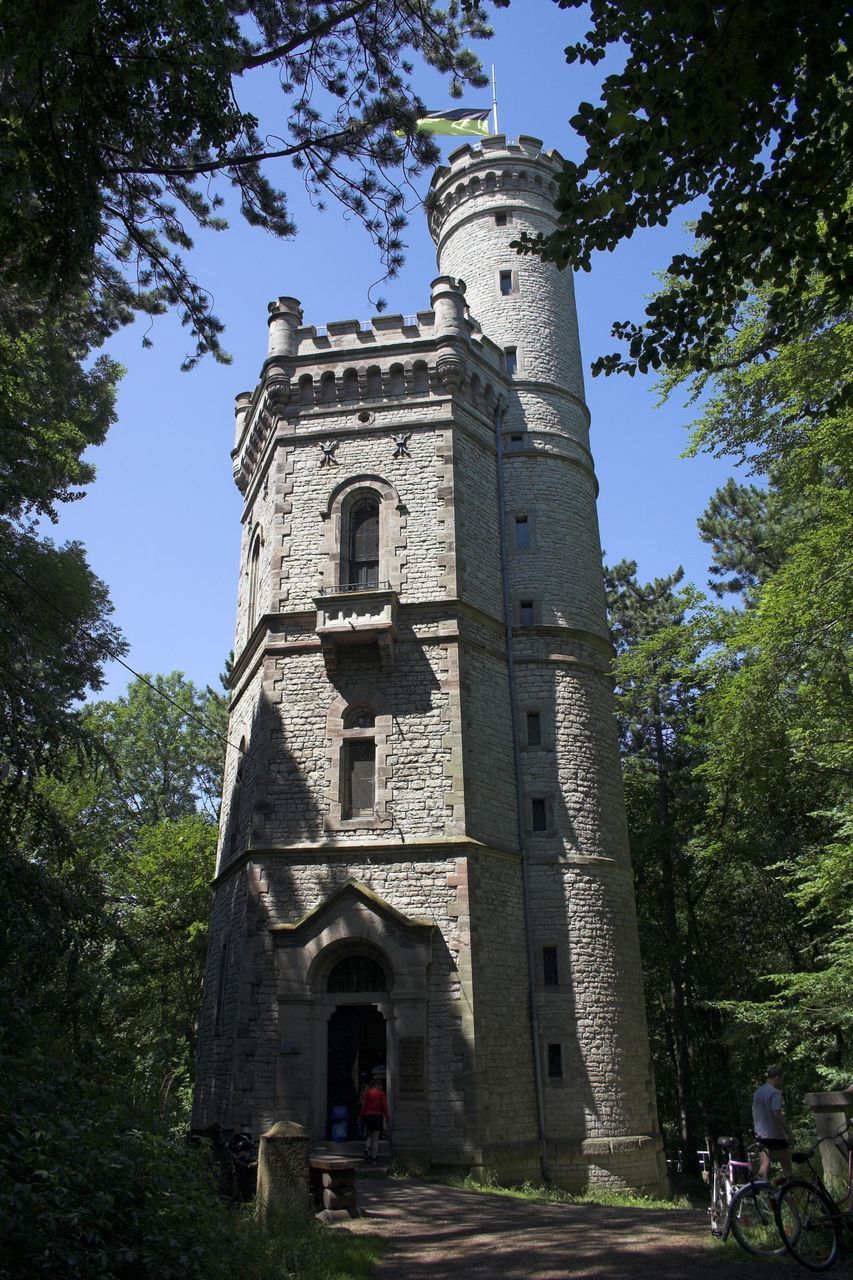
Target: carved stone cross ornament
<point x="401" y="442"/>
<point x="328" y="448"/>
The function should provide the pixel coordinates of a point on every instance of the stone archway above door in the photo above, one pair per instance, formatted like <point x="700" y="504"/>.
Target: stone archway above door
<point x="352" y="918"/>
<point x="354" y="921"/>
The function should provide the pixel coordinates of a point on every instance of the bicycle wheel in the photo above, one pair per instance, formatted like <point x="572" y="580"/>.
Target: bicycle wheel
<point x="809" y="1224"/>
<point x="752" y="1220"/>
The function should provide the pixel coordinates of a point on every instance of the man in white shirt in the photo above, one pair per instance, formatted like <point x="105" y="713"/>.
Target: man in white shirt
<point x="768" y="1120"/>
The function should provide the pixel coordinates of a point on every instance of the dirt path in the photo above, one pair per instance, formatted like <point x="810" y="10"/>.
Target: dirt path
<point x="435" y="1232"/>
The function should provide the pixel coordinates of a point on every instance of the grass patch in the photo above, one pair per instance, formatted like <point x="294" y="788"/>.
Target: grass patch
<point x="729" y="1253"/>
<point x="535" y="1191"/>
<point x="303" y="1249"/>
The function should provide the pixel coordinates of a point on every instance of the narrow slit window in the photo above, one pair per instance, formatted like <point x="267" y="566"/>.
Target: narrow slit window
<point x="235" y="816"/>
<point x="220" y="989"/>
<point x="510" y="361"/>
<point x="525" y="613"/>
<point x="534" y="729"/>
<point x="539" y="814"/>
<point x="522" y="533"/>
<point x="506" y="283"/>
<point x="550" y="970"/>
<point x="555" y="1062"/>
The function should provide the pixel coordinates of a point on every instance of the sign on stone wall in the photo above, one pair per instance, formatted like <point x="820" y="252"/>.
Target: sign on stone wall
<point x="412" y="1062"/>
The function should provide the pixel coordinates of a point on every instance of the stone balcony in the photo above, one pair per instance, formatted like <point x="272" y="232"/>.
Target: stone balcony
<point x="357" y="615"/>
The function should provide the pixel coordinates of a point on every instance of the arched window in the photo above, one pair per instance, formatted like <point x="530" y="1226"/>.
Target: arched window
<point x="358" y="764"/>
<point x="364" y="538"/>
<point x="254" y="584"/>
<point x="327" y="389"/>
<point x="362" y="562"/>
<point x="357" y="973"/>
<point x="350" y="385"/>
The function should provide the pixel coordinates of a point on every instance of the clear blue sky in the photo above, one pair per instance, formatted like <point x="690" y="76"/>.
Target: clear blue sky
<point x="161" y="522"/>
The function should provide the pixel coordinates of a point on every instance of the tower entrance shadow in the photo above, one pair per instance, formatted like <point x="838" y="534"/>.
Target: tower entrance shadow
<point x="357" y="1049"/>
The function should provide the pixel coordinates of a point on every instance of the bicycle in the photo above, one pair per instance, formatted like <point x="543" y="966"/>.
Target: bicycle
<point x="743" y="1204"/>
<point x="810" y="1220"/>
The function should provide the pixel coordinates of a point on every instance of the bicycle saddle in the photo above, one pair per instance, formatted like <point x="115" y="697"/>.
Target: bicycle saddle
<point x="727" y="1144"/>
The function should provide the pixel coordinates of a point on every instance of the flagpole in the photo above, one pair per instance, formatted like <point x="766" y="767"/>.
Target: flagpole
<point x="494" y="98"/>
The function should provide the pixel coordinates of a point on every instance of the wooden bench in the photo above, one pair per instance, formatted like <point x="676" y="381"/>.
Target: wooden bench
<point x="333" y="1183"/>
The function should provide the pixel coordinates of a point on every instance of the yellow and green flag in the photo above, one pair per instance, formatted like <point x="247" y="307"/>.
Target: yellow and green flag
<point x="461" y="120"/>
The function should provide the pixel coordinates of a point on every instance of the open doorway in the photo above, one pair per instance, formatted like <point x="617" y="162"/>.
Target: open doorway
<point x="357" y="1050"/>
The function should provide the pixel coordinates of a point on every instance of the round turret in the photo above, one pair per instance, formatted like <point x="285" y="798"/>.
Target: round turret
<point x="488" y="196"/>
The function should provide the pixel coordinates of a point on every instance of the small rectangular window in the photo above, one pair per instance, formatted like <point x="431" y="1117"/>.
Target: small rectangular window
<point x="501" y="219"/>
<point x="510" y="361"/>
<point x="550" y="971"/>
<point x="516" y="443"/>
<point x="534" y="729"/>
<point x="539" y="814"/>
<point x="525" y="613"/>
<point x="522" y="533"/>
<point x="555" y="1062"/>
<point x="506" y="283"/>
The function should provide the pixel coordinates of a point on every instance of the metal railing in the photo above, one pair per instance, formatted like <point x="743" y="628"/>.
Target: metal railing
<point x="345" y="588"/>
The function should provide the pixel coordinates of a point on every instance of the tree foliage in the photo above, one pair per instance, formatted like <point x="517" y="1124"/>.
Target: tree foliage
<point x="736" y="735"/>
<point x="88" y="1189"/>
<point x="55" y="634"/>
<point x="163" y="744"/>
<point x="745" y="526"/>
<point x="55" y="401"/>
<point x="782" y="711"/>
<point x="759" y="855"/>
<point x="107" y="872"/>
<point x="658" y="684"/>
<point x="121" y="119"/>
<point x="85" y="1191"/>
<point x="744" y="107"/>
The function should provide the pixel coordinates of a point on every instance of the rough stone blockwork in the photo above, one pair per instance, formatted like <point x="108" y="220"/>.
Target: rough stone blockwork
<point x="423" y="870"/>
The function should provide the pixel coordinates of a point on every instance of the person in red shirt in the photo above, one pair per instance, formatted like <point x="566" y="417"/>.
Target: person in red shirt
<point x="374" y="1113"/>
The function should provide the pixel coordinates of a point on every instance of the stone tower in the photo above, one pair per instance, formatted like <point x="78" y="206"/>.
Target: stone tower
<point x="423" y="869"/>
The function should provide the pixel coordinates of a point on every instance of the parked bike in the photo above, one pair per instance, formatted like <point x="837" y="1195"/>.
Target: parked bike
<point x="741" y="1203"/>
<point x="811" y="1221"/>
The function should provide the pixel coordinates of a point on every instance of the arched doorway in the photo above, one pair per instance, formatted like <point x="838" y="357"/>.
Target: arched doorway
<point x="357" y="1043"/>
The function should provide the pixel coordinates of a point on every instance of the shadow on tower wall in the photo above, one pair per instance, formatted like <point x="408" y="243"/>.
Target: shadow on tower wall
<point x="287" y="864"/>
<point x="232" y="996"/>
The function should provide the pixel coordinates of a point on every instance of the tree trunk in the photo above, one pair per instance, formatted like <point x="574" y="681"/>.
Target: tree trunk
<point x="677" y="977"/>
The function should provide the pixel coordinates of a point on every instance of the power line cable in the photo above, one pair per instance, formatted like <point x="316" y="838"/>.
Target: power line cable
<point x="113" y="655"/>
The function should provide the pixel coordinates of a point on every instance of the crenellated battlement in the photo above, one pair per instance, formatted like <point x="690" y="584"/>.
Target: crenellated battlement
<point x="494" y="167"/>
<point x="337" y="371"/>
<point x="313" y="372"/>
<point x="376" y="332"/>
